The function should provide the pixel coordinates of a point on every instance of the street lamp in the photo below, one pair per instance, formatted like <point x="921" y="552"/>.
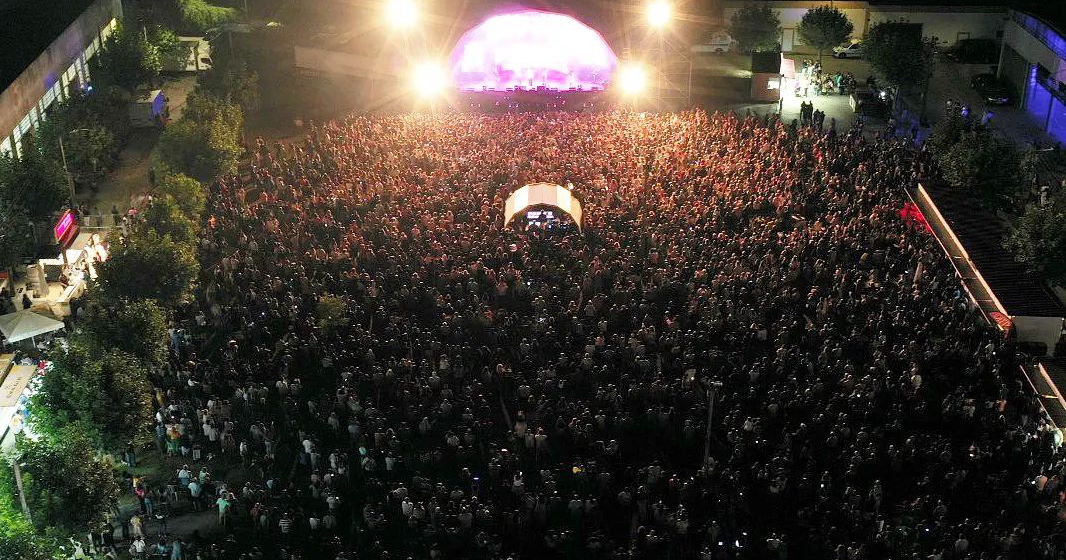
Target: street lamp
<point x="659" y="13"/>
<point x="66" y="170"/>
<point x="401" y="14"/>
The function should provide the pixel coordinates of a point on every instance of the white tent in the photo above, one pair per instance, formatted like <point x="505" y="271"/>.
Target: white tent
<point x="26" y="324"/>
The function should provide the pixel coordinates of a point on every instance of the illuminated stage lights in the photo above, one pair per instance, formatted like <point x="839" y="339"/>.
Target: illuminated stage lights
<point x="659" y="13"/>
<point x="429" y="79"/>
<point x="632" y="79"/>
<point x="401" y="14"/>
<point x="531" y="50"/>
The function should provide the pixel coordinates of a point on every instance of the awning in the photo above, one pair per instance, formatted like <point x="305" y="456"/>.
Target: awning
<point x="14" y="384"/>
<point x="25" y="324"/>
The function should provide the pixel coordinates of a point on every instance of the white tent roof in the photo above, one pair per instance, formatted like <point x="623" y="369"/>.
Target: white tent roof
<point x="25" y="324"/>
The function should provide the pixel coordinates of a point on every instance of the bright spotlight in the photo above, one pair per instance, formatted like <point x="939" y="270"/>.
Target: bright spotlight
<point x="401" y="14"/>
<point x="659" y="13"/>
<point x="632" y="79"/>
<point x="429" y="79"/>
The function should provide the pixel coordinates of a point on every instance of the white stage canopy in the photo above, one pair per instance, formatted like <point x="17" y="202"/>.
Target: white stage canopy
<point x="542" y="194"/>
<point x="26" y="324"/>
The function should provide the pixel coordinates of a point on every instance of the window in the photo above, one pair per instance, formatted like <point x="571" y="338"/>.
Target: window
<point x="46" y="101"/>
<point x="5" y="147"/>
<point x="70" y="78"/>
<point x="26" y="125"/>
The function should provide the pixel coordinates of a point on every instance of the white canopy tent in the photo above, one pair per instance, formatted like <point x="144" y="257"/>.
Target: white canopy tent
<point x="26" y="324"/>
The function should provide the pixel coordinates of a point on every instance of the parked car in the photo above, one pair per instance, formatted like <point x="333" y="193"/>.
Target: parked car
<point x="853" y="50"/>
<point x="868" y="104"/>
<point x="993" y="90"/>
<point x="718" y="42"/>
<point x="974" y="51"/>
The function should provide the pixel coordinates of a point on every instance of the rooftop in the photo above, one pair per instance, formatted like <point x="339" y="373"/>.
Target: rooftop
<point x="981" y="234"/>
<point x="28" y="27"/>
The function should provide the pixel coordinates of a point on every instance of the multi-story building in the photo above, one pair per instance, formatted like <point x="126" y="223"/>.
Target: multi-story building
<point x="46" y="50"/>
<point x="1033" y="59"/>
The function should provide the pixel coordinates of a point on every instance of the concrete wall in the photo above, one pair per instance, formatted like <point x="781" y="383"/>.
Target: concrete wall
<point x="947" y="26"/>
<point x="1039" y="329"/>
<point x="24" y="95"/>
<point x="791" y="13"/>
<point x="1032" y="49"/>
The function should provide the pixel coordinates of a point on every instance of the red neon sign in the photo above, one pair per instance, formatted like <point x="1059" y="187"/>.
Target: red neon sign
<point x="64" y="225"/>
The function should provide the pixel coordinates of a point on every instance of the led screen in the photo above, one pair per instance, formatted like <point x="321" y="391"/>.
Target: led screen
<point x="531" y="49"/>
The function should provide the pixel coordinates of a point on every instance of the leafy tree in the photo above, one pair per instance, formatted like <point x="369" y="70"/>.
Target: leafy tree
<point x="205" y="108"/>
<point x="149" y="267"/>
<point x="34" y="181"/>
<point x="231" y="79"/>
<point x="825" y="27"/>
<point x="205" y="143"/>
<point x="18" y="539"/>
<point x="165" y="218"/>
<point x="126" y="60"/>
<point x="90" y="127"/>
<point x="200" y="15"/>
<point x="332" y="312"/>
<point x="138" y="327"/>
<point x="202" y="151"/>
<point x="899" y="54"/>
<point x="186" y="191"/>
<point x="1038" y="239"/>
<point x="756" y="28"/>
<point x="106" y="391"/>
<point x="67" y="486"/>
<point x="172" y="52"/>
<point x="16" y="239"/>
<point x="946" y="133"/>
<point x="987" y="167"/>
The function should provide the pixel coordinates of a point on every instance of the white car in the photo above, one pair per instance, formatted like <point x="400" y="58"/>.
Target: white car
<point x="854" y="50"/>
<point x="719" y="42"/>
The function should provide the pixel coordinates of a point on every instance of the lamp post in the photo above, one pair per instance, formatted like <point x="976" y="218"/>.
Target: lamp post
<point x="659" y="13"/>
<point x="712" y="394"/>
<point x="66" y="170"/>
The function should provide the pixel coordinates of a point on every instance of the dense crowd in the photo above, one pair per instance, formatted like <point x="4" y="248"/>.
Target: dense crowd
<point x="524" y="393"/>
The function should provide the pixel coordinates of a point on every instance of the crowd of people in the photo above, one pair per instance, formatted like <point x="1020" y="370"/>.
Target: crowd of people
<point x="746" y="351"/>
<point x="815" y="81"/>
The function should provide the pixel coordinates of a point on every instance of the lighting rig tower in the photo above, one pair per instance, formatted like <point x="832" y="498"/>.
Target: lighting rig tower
<point x="667" y="51"/>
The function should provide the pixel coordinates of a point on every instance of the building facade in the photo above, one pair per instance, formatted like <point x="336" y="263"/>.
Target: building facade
<point x="59" y="69"/>
<point x="1033" y="60"/>
<point x="948" y="23"/>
